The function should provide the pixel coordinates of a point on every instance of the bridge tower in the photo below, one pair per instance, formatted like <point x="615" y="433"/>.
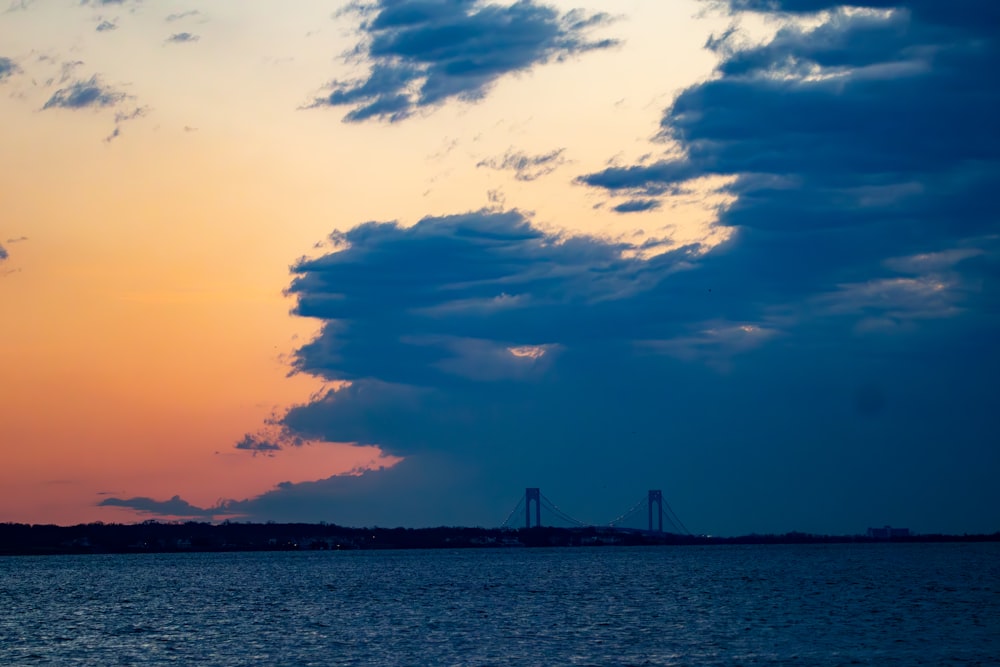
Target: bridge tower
<point x="530" y="494"/>
<point x="656" y="498"/>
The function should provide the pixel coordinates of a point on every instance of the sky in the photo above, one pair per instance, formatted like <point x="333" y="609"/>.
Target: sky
<point x="390" y="262"/>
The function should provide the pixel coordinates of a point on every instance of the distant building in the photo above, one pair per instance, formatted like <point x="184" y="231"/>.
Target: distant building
<point x="888" y="533"/>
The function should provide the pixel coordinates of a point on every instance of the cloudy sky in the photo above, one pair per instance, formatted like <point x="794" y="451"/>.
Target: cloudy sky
<point x="390" y="262"/>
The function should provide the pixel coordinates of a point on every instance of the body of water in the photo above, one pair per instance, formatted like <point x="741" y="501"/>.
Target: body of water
<point x="873" y="604"/>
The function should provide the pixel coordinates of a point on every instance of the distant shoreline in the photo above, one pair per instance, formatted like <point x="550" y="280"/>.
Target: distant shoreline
<point x="156" y="537"/>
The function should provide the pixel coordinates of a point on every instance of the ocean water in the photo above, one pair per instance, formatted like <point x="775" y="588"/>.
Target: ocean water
<point x="876" y="604"/>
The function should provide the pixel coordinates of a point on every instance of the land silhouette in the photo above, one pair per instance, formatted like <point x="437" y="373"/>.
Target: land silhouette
<point x="191" y="536"/>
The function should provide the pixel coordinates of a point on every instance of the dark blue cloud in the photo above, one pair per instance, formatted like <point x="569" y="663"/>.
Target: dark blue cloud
<point x="105" y="26"/>
<point x="526" y="167"/>
<point x="447" y="299"/>
<point x="818" y="440"/>
<point x="653" y="179"/>
<point x="865" y="137"/>
<point x="637" y="206"/>
<point x="424" y="52"/>
<point x="969" y="14"/>
<point x="508" y="356"/>
<point x="3" y="253"/>
<point x="83" y="94"/>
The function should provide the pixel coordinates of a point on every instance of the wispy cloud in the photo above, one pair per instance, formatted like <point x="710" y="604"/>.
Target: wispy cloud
<point x="182" y="38"/>
<point x="122" y="117"/>
<point x="422" y="53"/>
<point x="526" y="167"/>
<point x="182" y="15"/>
<point x="19" y="5"/>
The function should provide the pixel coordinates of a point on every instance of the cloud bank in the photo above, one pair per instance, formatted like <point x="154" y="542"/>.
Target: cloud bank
<point x="849" y="143"/>
<point x="422" y="53"/>
<point x="831" y="366"/>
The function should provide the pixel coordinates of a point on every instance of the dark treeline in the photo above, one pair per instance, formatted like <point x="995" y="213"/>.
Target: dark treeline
<point x="156" y="537"/>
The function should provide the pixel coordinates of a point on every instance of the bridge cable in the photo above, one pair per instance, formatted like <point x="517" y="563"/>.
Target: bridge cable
<point x="620" y="518"/>
<point x="669" y="522"/>
<point x="676" y="518"/>
<point x="518" y="506"/>
<point x="558" y="512"/>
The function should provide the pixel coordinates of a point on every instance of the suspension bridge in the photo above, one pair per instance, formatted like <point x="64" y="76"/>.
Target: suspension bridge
<point x="651" y="513"/>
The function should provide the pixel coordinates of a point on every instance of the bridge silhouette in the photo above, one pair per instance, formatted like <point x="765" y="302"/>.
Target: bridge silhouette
<point x="651" y="513"/>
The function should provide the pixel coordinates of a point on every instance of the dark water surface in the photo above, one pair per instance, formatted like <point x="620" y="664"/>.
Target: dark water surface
<point x="888" y="604"/>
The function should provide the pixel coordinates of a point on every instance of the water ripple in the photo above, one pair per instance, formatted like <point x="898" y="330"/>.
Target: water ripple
<point x="749" y="605"/>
